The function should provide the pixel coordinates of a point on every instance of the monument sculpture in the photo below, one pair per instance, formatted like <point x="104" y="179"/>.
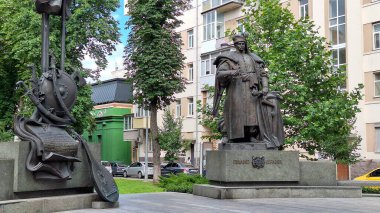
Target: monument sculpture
<point x="251" y="112"/>
<point x="54" y="145"/>
<point x="248" y="163"/>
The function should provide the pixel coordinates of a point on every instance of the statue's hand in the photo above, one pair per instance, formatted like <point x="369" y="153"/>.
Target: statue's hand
<point x="236" y="73"/>
<point x="265" y="91"/>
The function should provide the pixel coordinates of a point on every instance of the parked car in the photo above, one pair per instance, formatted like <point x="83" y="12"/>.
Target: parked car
<point x="107" y="165"/>
<point x="373" y="175"/>
<point x="137" y="169"/>
<point x="164" y="172"/>
<point x="176" y="168"/>
<point x="117" y="168"/>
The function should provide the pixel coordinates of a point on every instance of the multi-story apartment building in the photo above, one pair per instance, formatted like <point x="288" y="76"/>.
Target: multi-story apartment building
<point x="352" y="26"/>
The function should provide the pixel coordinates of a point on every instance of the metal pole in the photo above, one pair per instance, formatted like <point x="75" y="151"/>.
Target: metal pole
<point x="45" y="42"/>
<point x="146" y="147"/>
<point x="63" y="35"/>
<point x="197" y="142"/>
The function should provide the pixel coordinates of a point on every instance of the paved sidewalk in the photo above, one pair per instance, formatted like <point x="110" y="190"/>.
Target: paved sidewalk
<point x="187" y="203"/>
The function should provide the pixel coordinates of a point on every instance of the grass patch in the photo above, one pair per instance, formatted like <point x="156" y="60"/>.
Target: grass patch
<point x="127" y="186"/>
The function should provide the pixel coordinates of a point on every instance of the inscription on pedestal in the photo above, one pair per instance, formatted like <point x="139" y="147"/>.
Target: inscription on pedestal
<point x="253" y="166"/>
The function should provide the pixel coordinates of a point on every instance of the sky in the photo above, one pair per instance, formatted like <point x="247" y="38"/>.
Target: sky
<point x="116" y="59"/>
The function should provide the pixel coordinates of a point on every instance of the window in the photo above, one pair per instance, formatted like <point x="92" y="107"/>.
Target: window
<point x="178" y="108"/>
<point x="337" y="22"/>
<point x="241" y="25"/>
<point x="207" y="67"/>
<point x="207" y="60"/>
<point x="375" y="173"/>
<point x="337" y="28"/>
<point x="128" y="122"/>
<point x="190" y="38"/>
<point x="304" y="8"/>
<point x="377" y="132"/>
<point x="140" y="112"/>
<point x="191" y="72"/>
<point x="377" y="84"/>
<point x="213" y="25"/>
<point x="209" y="25"/>
<point x="190" y="109"/>
<point x="376" y="36"/>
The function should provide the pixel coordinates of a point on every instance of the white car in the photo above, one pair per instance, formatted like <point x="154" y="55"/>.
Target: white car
<point x="137" y="170"/>
<point x="107" y="165"/>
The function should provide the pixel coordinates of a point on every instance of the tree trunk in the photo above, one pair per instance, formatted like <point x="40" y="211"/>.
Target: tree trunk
<point x="156" y="146"/>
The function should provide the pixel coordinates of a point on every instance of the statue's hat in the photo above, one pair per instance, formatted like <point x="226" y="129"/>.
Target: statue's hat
<point x="238" y="38"/>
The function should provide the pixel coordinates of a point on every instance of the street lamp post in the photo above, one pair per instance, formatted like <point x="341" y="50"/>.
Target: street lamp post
<point x="146" y="147"/>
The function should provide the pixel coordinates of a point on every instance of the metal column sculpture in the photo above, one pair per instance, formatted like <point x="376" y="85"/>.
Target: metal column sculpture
<point x="54" y="144"/>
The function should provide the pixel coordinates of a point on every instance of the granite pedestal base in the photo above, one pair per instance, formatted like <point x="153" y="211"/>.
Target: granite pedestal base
<point x="17" y="182"/>
<point x="239" y="174"/>
<point x="49" y="204"/>
<point x="251" y="192"/>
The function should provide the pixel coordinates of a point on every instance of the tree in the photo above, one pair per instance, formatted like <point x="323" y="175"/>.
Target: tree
<point x="153" y="58"/>
<point x="207" y="119"/>
<point x="318" y="116"/>
<point x="91" y="30"/>
<point x="169" y="137"/>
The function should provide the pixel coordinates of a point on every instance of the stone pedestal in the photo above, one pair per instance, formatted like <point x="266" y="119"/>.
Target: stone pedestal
<point x="239" y="174"/>
<point x="19" y="183"/>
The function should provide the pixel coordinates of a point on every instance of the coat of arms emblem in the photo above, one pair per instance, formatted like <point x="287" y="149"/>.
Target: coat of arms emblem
<point x="258" y="162"/>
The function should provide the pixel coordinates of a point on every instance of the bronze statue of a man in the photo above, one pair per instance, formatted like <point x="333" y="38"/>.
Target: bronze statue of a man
<point x="251" y="113"/>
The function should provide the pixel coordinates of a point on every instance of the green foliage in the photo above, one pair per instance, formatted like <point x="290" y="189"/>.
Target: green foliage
<point x="181" y="182"/>
<point x="370" y="190"/>
<point x="81" y="111"/>
<point x="206" y="117"/>
<point x="91" y="30"/>
<point x="126" y="186"/>
<point x="318" y="116"/>
<point x="153" y="57"/>
<point x="169" y="137"/>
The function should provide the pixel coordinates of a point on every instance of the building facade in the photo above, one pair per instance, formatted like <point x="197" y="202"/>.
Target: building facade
<point x="113" y="104"/>
<point x="352" y="27"/>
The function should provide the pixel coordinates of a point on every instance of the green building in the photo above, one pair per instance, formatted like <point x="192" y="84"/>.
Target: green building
<point x="113" y="101"/>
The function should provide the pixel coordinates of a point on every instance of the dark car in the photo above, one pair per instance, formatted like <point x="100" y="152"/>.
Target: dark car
<point x="117" y="168"/>
<point x="176" y="168"/>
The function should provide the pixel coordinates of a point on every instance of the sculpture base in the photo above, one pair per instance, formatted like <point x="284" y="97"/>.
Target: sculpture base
<point x="50" y="204"/>
<point x="245" y="174"/>
<point x="223" y="192"/>
<point x="18" y="183"/>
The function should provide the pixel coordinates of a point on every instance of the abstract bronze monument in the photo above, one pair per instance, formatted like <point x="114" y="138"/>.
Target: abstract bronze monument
<point x="54" y="144"/>
<point x="251" y="113"/>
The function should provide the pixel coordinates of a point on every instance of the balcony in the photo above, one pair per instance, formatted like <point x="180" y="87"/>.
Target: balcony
<point x="221" y="5"/>
<point x="140" y="123"/>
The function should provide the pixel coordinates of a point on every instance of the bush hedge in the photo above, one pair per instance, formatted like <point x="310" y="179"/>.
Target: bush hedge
<point x="181" y="182"/>
<point x="370" y="190"/>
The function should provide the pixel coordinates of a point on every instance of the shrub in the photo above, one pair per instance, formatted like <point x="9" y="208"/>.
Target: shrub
<point x="181" y="183"/>
<point x="370" y="190"/>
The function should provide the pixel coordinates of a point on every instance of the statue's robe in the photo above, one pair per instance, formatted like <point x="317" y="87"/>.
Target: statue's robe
<point x="242" y="109"/>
